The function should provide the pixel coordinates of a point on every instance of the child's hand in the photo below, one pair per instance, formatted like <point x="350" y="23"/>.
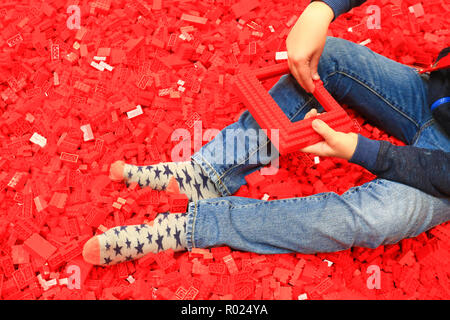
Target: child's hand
<point x="306" y="41"/>
<point x="116" y="171"/>
<point x="335" y="144"/>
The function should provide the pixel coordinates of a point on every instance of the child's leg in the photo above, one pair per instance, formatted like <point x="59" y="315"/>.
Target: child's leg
<point x="191" y="179"/>
<point x="391" y="95"/>
<point x="377" y="213"/>
<point x="126" y="243"/>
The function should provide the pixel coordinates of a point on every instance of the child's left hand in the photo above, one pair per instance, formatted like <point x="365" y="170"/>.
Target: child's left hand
<point x="335" y="144"/>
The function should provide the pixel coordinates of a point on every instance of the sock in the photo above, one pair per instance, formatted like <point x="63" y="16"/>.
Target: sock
<point x="189" y="175"/>
<point x="126" y="243"/>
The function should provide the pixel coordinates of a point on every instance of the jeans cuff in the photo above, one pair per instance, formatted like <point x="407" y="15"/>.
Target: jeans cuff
<point x="192" y="213"/>
<point x="212" y="174"/>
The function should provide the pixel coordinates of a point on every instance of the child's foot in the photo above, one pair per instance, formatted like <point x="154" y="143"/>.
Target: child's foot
<point x="127" y="243"/>
<point x="189" y="175"/>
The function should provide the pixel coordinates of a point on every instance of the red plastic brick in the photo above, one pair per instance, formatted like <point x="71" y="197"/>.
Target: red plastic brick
<point x="193" y="19"/>
<point x="7" y="266"/>
<point x="191" y="293"/>
<point x="19" y="255"/>
<point x="243" y="7"/>
<point x="38" y="246"/>
<point x="178" y="203"/>
<point x="231" y="264"/>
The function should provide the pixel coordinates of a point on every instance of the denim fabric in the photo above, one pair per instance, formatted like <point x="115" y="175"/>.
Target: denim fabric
<point x="394" y="98"/>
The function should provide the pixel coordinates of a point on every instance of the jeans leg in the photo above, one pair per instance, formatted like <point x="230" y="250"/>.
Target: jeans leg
<point x="377" y="213"/>
<point x="390" y="95"/>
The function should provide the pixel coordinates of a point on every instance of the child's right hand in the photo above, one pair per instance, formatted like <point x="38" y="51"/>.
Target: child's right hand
<point x="306" y="41"/>
<point x="334" y="144"/>
<point x="116" y="170"/>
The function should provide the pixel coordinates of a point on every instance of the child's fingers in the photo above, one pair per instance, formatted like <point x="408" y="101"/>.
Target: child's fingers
<point x="311" y="113"/>
<point x="316" y="149"/>
<point x="314" y="65"/>
<point x="309" y="149"/>
<point x="293" y="71"/>
<point x="324" y="130"/>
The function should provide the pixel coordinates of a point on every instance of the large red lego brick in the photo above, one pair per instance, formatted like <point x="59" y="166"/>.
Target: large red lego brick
<point x="292" y="136"/>
<point x="38" y="246"/>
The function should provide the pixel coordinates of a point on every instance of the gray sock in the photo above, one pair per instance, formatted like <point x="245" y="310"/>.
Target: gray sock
<point x="189" y="175"/>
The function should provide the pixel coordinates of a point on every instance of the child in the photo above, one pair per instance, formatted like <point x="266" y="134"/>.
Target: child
<point x="393" y="96"/>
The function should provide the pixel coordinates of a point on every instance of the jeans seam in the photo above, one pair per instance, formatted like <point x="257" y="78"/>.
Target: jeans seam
<point x="194" y="219"/>
<point x="386" y="100"/>
<point x="317" y="197"/>
<point x="314" y="197"/>
<point x="419" y="132"/>
<point x="191" y="226"/>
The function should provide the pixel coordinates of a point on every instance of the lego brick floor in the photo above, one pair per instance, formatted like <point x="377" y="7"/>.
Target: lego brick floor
<point x="85" y="83"/>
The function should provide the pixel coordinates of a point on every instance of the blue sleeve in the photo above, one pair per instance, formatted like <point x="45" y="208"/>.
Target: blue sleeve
<point x="424" y="169"/>
<point x="342" y="6"/>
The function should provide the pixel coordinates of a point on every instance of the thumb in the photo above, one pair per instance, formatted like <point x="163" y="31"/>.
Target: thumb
<point x="323" y="129"/>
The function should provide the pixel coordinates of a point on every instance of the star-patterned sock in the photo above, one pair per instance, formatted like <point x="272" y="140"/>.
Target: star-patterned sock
<point x="126" y="243"/>
<point x="189" y="175"/>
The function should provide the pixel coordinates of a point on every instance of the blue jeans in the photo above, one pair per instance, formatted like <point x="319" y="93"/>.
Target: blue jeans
<point x="394" y="98"/>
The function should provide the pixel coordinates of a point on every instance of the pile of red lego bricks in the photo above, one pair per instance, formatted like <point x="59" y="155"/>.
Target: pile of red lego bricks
<point x="85" y="83"/>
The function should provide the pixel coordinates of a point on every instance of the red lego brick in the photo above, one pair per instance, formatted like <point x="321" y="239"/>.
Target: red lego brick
<point x="191" y="293"/>
<point x="96" y="217"/>
<point x="2" y="277"/>
<point x="178" y="203"/>
<point x="20" y="280"/>
<point x="255" y="179"/>
<point x="281" y="274"/>
<point x="58" y="201"/>
<point x="122" y="271"/>
<point x="323" y="286"/>
<point x="292" y="136"/>
<point x="19" y="255"/>
<point x="7" y="266"/>
<point x="24" y="228"/>
<point x="220" y="252"/>
<point x="54" y="52"/>
<point x="67" y="157"/>
<point x="243" y="7"/>
<point x="417" y="9"/>
<point x="14" y="40"/>
<point x="217" y="268"/>
<point x="164" y="259"/>
<point x="244" y="291"/>
<point x="193" y="19"/>
<point x="17" y="182"/>
<point x="181" y="293"/>
<point x="231" y="264"/>
<point x="285" y="293"/>
<point x="39" y="247"/>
